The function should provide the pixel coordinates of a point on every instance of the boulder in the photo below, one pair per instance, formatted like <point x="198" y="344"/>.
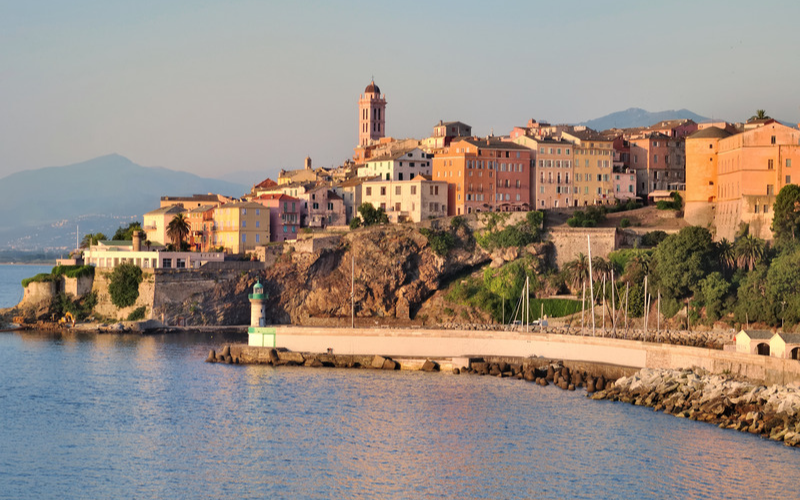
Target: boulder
<point x="273" y="356"/>
<point x="430" y="366"/>
<point x="456" y="371"/>
<point x="226" y="350"/>
<point x="212" y="356"/>
<point x="378" y="362"/>
<point x="388" y="364"/>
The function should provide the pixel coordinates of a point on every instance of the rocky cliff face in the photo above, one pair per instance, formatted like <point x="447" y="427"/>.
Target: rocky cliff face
<point x="394" y="269"/>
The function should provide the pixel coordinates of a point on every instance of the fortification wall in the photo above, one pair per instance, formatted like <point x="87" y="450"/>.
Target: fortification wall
<point x="78" y="287"/>
<point x="107" y="309"/>
<point x="569" y="242"/>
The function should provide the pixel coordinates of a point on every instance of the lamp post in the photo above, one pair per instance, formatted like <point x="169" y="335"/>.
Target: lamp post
<point x="783" y="312"/>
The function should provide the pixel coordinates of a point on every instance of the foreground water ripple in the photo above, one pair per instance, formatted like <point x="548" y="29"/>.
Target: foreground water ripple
<point x="87" y="416"/>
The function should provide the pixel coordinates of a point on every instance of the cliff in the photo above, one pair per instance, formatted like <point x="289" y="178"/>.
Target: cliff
<point x="393" y="269"/>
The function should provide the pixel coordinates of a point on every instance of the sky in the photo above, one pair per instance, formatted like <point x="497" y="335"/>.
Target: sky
<point x="217" y="87"/>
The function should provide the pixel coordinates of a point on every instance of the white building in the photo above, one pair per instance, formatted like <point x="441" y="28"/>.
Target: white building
<point x="400" y="165"/>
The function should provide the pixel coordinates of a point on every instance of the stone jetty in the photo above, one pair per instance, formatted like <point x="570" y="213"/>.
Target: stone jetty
<point x="772" y="412"/>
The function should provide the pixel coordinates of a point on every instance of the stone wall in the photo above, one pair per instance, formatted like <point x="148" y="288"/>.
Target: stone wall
<point x="315" y="244"/>
<point x="38" y="295"/>
<point x="106" y="309"/>
<point x="78" y="287"/>
<point x="568" y="242"/>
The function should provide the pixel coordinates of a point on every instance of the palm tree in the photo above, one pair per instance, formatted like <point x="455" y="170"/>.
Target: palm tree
<point x="577" y="271"/>
<point x="92" y="239"/>
<point x="637" y="268"/>
<point x="749" y="252"/>
<point x="178" y="230"/>
<point x="727" y="254"/>
<point x="760" y="115"/>
<point x="601" y="268"/>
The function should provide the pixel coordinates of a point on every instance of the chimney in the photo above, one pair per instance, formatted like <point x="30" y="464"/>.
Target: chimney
<point x="137" y="241"/>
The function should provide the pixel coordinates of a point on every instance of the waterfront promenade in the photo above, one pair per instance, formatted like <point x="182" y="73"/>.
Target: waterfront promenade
<point x="450" y="344"/>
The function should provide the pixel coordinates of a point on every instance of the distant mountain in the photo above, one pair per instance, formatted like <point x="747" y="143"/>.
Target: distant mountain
<point x="638" y="117"/>
<point x="41" y="207"/>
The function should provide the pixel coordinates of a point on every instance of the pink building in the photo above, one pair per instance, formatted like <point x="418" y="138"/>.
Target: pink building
<point x="285" y="214"/>
<point x="553" y="174"/>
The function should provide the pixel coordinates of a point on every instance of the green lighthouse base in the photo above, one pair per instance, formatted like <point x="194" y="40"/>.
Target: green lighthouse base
<point x="259" y="336"/>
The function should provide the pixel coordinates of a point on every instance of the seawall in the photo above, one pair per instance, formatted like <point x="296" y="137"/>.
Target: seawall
<point x="448" y="344"/>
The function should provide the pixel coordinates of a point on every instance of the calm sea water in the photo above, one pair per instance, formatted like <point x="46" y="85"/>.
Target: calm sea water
<point x="124" y="416"/>
<point x="11" y="277"/>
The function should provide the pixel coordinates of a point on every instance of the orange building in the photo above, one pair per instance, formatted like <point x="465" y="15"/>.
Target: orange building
<point x="734" y="179"/>
<point x="484" y="175"/>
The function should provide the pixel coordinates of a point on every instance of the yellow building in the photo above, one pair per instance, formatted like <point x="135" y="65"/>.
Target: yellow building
<point x="240" y="227"/>
<point x="593" y="171"/>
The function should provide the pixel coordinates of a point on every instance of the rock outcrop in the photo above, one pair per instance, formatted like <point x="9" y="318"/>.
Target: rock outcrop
<point x="772" y="412"/>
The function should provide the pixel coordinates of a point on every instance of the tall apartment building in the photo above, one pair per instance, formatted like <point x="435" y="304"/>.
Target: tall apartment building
<point x="593" y="171"/>
<point x="659" y="162"/>
<point x="239" y="227"/>
<point x="484" y="175"/>
<point x="411" y="200"/>
<point x="554" y="176"/>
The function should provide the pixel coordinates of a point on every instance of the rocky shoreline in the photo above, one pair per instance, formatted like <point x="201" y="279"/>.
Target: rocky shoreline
<point x="772" y="412"/>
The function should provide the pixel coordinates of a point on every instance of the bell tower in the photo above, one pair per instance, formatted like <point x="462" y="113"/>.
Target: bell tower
<point x="371" y="115"/>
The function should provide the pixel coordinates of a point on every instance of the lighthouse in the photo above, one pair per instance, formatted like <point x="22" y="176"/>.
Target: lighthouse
<point x="258" y="334"/>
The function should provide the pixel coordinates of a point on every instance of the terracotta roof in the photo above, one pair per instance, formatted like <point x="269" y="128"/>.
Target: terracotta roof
<point x="172" y="209"/>
<point x="266" y="183"/>
<point x="276" y="196"/>
<point x="490" y="143"/>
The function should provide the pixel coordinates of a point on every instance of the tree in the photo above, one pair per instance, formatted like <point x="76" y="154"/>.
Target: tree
<point x="760" y="115"/>
<point x="727" y="256"/>
<point x="371" y="215"/>
<point x="126" y="233"/>
<point x="178" y="230"/>
<point x="123" y="286"/>
<point x="577" y="272"/>
<point x="786" y="213"/>
<point x="683" y="259"/>
<point x="714" y="288"/>
<point x="92" y="239"/>
<point x="601" y="268"/>
<point x="749" y="252"/>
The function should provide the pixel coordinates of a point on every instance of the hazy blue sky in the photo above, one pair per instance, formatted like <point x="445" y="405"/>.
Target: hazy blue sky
<point x="212" y="87"/>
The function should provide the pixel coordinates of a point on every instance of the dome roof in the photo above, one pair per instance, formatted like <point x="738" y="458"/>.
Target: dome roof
<point x="372" y="88"/>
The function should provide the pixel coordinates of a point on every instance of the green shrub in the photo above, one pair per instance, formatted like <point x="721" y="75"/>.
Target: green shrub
<point x="624" y="222"/>
<point x="448" y="311"/>
<point x="39" y="278"/>
<point x="123" y="285"/>
<point x="516" y="235"/>
<point x="653" y="238"/>
<point x="137" y="314"/>
<point x="440" y="241"/>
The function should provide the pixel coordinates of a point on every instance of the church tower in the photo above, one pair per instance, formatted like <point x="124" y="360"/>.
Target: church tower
<point x="371" y="115"/>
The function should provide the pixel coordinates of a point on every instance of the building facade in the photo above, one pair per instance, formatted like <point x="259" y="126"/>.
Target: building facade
<point x="371" y="115"/>
<point x="412" y="200"/>
<point x="399" y="165"/>
<point x="239" y="227"/>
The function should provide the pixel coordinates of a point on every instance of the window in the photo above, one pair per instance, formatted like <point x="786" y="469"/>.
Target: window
<point x="772" y="140"/>
<point x="655" y="158"/>
<point x="258" y="223"/>
<point x="770" y="189"/>
<point x="383" y="190"/>
<point x="369" y="191"/>
<point x="413" y="189"/>
<point x="244" y="211"/>
<point x="770" y="164"/>
<point x="315" y="205"/>
<point x="258" y="238"/>
<point x="244" y="223"/>
<point x="788" y="179"/>
<point x="330" y="206"/>
<point x="244" y="238"/>
<point x="167" y="263"/>
<point x="397" y="190"/>
<point x="788" y="162"/>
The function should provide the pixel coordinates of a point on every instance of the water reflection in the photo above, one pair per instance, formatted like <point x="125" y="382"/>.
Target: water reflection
<point x="129" y="416"/>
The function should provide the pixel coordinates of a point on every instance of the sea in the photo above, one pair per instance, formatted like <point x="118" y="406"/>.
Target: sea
<point x="87" y="415"/>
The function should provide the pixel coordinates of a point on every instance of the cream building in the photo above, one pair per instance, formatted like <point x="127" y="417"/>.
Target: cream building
<point x="156" y="222"/>
<point x="399" y="165"/>
<point x="412" y="200"/>
<point x="240" y="227"/>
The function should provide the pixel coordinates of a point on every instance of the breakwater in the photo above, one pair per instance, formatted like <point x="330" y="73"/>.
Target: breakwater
<point x="772" y="412"/>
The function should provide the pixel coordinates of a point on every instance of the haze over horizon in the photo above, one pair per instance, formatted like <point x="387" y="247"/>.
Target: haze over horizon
<point x="213" y="87"/>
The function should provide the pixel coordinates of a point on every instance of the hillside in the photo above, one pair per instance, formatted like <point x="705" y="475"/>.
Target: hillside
<point x="638" y="117"/>
<point x="99" y="194"/>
